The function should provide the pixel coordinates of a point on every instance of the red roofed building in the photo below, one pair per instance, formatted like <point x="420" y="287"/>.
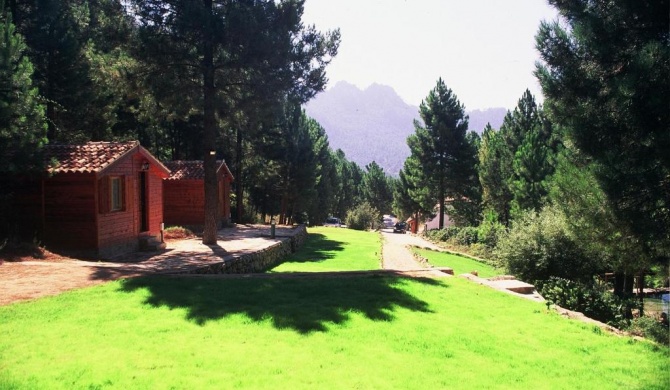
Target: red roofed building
<point x="184" y="193"/>
<point x="99" y="198"/>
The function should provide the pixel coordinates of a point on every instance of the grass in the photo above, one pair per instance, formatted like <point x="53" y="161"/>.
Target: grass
<point x="335" y="249"/>
<point x="311" y="332"/>
<point x="356" y="332"/>
<point x="459" y="264"/>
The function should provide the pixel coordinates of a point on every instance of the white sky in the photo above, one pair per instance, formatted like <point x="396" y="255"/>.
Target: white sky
<point x="484" y="50"/>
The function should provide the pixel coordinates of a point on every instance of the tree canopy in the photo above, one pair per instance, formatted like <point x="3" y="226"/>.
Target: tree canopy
<point x="443" y="151"/>
<point x="605" y="73"/>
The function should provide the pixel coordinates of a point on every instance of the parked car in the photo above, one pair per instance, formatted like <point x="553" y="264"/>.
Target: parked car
<point x="333" y="222"/>
<point x="400" y="227"/>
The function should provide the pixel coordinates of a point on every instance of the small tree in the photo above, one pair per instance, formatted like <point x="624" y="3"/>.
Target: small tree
<point x="445" y="157"/>
<point x="540" y="245"/>
<point x="376" y="188"/>
<point x="363" y="217"/>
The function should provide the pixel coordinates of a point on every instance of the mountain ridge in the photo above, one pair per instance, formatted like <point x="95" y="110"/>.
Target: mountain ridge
<point x="373" y="124"/>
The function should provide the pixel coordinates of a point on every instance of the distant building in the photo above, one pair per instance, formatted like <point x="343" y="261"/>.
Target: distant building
<point x="434" y="223"/>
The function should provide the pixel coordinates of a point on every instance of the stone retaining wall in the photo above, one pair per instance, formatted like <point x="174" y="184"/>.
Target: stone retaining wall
<point x="260" y="261"/>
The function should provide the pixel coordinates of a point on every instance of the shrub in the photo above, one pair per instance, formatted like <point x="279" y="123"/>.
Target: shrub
<point x="444" y="234"/>
<point x="177" y="232"/>
<point x="362" y="217"/>
<point x="539" y="246"/>
<point x="650" y="328"/>
<point x="593" y="299"/>
<point x="490" y="230"/>
<point x="466" y="236"/>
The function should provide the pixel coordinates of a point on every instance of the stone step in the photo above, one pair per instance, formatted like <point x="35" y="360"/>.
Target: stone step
<point x="516" y="286"/>
<point x="151" y="244"/>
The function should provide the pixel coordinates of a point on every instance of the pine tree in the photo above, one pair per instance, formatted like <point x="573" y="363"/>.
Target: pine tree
<point x="348" y="193"/>
<point x="229" y="50"/>
<point x="376" y="189"/>
<point x="517" y="162"/>
<point x="54" y="34"/>
<point x="605" y="73"/>
<point x="494" y="172"/>
<point x="22" y="121"/>
<point x="441" y="148"/>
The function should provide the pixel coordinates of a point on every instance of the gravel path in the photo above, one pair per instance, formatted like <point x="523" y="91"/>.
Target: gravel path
<point x="396" y="255"/>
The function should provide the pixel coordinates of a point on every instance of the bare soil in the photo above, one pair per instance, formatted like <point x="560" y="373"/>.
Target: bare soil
<point x="28" y="273"/>
<point x="24" y="277"/>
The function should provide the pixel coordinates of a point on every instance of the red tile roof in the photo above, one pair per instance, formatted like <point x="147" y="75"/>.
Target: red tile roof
<point x="87" y="158"/>
<point x="192" y="170"/>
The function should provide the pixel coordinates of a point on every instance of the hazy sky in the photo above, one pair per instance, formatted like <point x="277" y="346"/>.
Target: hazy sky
<point x="484" y="50"/>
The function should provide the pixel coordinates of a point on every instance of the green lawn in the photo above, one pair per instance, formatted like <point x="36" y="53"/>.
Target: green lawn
<point x="311" y="332"/>
<point x="335" y="249"/>
<point x="459" y="264"/>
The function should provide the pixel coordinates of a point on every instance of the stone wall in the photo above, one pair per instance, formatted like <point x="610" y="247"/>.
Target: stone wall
<point x="260" y="261"/>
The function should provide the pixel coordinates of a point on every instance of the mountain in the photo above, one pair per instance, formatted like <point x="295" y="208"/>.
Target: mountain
<point x="373" y="124"/>
<point x="479" y="118"/>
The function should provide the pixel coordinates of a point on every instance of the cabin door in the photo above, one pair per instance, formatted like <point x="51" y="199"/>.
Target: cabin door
<point x="144" y="210"/>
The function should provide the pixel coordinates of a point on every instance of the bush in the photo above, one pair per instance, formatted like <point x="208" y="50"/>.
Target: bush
<point x="466" y="236"/>
<point x="650" y="328"/>
<point x="362" y="217"/>
<point x="177" y="232"/>
<point x="539" y="246"/>
<point x="593" y="299"/>
<point x="443" y="235"/>
<point x="490" y="230"/>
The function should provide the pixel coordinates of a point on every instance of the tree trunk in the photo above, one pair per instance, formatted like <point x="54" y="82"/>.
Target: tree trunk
<point x="50" y="100"/>
<point x="623" y="284"/>
<point x="623" y="288"/>
<point x="640" y="292"/>
<point x="239" y="189"/>
<point x="209" y="136"/>
<point x="441" y="199"/>
<point x="282" y="211"/>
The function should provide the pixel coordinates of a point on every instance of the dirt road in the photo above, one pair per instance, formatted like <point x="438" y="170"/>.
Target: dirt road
<point x="396" y="255"/>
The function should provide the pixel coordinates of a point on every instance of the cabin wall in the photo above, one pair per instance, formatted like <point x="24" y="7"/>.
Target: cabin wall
<point x="184" y="202"/>
<point x="119" y="230"/>
<point x="70" y="211"/>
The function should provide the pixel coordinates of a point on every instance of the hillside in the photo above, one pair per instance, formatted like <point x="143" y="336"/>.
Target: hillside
<point x="373" y="124"/>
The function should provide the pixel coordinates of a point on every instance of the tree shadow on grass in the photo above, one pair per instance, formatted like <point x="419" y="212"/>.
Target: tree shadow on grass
<point x="317" y="248"/>
<point x="304" y="305"/>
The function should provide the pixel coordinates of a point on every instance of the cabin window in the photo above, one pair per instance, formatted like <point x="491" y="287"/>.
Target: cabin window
<point x="116" y="193"/>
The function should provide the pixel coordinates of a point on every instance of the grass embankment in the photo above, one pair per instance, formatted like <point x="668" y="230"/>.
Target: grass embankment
<point x="311" y="332"/>
<point x="459" y="264"/>
<point x="335" y="249"/>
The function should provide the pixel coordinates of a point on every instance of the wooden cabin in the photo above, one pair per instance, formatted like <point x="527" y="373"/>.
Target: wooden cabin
<point x="99" y="199"/>
<point x="184" y="193"/>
